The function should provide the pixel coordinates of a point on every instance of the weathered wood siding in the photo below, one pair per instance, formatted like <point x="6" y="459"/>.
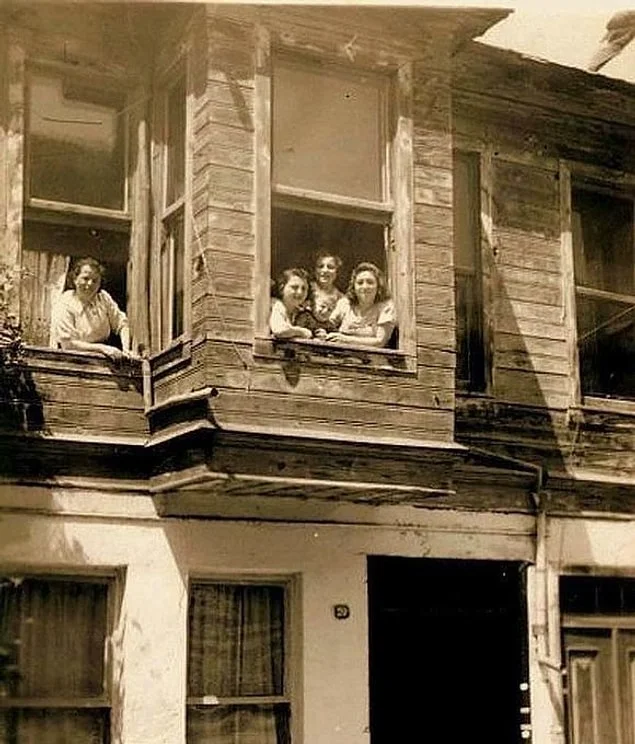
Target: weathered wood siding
<point x="267" y="392"/>
<point x="528" y="118"/>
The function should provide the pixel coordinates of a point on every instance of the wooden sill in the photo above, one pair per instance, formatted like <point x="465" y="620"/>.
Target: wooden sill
<point x="323" y="353"/>
<point x="47" y="359"/>
<point x="178" y="354"/>
<point x="592" y="404"/>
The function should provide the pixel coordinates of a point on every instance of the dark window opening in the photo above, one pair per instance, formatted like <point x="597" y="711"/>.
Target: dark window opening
<point x="470" y="360"/>
<point x="603" y="242"/>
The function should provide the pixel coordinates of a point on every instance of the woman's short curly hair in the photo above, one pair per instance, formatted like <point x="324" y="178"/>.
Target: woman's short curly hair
<point x="94" y="264"/>
<point x="382" y="287"/>
<point x="285" y="276"/>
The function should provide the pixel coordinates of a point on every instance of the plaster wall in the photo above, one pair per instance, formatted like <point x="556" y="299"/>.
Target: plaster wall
<point x="157" y="556"/>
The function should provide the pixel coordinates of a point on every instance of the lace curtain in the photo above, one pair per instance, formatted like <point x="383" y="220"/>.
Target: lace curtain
<point x="237" y="651"/>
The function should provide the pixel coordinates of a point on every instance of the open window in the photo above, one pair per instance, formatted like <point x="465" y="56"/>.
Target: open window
<point x="171" y="123"/>
<point x="76" y="197"/>
<point x="54" y="682"/>
<point x="336" y="165"/>
<point x="238" y="681"/>
<point x="604" y="259"/>
<point x="470" y="356"/>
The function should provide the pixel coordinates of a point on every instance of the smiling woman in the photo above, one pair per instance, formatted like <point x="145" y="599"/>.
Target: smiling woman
<point x="86" y="316"/>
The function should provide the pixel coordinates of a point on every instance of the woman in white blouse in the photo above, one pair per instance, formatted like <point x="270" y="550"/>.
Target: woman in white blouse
<point x="85" y="317"/>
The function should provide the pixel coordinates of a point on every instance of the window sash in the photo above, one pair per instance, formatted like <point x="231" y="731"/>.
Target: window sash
<point x="56" y="204"/>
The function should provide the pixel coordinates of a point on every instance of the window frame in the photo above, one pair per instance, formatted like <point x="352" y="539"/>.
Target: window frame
<point x="621" y="185"/>
<point x="398" y="181"/>
<point x="53" y="210"/>
<point x="104" y="702"/>
<point x="292" y="645"/>
<point x="168" y="214"/>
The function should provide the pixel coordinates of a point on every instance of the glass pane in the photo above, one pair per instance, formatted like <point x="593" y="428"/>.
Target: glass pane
<point x="175" y="177"/>
<point x="606" y="341"/>
<point x="76" y="144"/>
<point x="298" y="237"/>
<point x="607" y="595"/>
<point x="236" y="636"/>
<point x="327" y="132"/>
<point x="603" y="241"/>
<point x="172" y="278"/>
<point x="467" y="210"/>
<point x="257" y="724"/>
<point x="178" y="239"/>
<point x="54" y="726"/>
<point x="55" y="633"/>
<point x="469" y="337"/>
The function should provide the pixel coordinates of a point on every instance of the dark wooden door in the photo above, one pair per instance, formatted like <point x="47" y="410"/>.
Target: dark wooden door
<point x="447" y="646"/>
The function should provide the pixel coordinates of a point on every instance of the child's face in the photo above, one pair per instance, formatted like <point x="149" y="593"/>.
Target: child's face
<point x="322" y="310"/>
<point x="365" y="287"/>
<point x="326" y="271"/>
<point x="294" y="292"/>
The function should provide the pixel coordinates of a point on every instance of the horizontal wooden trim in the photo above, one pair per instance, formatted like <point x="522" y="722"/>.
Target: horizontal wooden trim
<point x="52" y="702"/>
<point x="171" y="209"/>
<point x="213" y="701"/>
<point x="603" y="294"/>
<point x="176" y="400"/>
<point x="116" y="215"/>
<point x="305" y="200"/>
<point x="324" y="352"/>
<point x="599" y="621"/>
<point x="593" y="404"/>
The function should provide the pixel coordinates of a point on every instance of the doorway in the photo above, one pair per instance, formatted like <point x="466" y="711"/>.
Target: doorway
<point x="447" y="651"/>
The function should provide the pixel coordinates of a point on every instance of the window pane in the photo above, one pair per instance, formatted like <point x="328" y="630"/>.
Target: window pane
<point x="607" y="595"/>
<point x="606" y="341"/>
<point x="172" y="278"/>
<point x="327" y="132"/>
<point x="76" y="144"/>
<point x="175" y="177"/>
<point x="53" y="726"/>
<point x="257" y="724"/>
<point x="469" y="360"/>
<point x="297" y="238"/>
<point x="55" y="632"/>
<point x="603" y="241"/>
<point x="236" y="637"/>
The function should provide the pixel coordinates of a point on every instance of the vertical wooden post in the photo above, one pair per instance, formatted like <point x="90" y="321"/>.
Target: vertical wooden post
<point x="402" y="261"/>
<point x="14" y="159"/>
<point x="262" y="198"/>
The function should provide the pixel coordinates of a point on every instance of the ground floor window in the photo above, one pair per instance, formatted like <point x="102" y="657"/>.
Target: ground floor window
<point x="237" y="664"/>
<point x="53" y="685"/>
<point x="599" y="653"/>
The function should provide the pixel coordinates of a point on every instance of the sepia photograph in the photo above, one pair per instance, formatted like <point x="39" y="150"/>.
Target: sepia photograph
<point x="317" y="372"/>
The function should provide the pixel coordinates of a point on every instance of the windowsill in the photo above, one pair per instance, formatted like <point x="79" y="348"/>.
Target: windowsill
<point x="594" y="404"/>
<point x="176" y="355"/>
<point x="49" y="359"/>
<point x="322" y="353"/>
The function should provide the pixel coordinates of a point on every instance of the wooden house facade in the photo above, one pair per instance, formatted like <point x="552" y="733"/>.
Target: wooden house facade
<point x="240" y="538"/>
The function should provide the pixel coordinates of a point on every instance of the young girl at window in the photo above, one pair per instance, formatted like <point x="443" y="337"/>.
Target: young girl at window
<point x="292" y="289"/>
<point x="365" y="316"/>
<point x="325" y="294"/>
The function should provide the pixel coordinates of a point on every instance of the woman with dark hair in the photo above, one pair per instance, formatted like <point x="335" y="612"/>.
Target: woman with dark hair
<point x="292" y="290"/>
<point x="85" y="317"/>
<point x="366" y="315"/>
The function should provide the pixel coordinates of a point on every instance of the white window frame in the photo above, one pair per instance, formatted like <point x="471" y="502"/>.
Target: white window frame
<point x="292" y="644"/>
<point x="34" y="204"/>
<point x="167" y="214"/>
<point x="575" y="175"/>
<point x="398" y="201"/>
